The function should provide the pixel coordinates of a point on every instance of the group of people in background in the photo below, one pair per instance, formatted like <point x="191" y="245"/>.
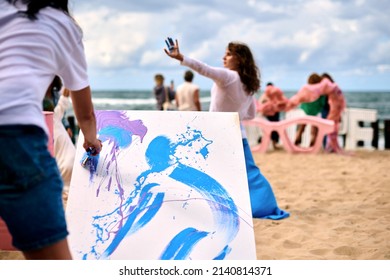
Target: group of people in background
<point x="314" y="99"/>
<point x="185" y="98"/>
<point x="320" y="97"/>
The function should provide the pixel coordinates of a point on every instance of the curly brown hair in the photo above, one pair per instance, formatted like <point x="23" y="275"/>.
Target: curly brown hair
<point x="34" y="6"/>
<point x="247" y="68"/>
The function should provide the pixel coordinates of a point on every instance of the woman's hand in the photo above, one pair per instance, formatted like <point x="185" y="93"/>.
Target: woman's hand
<point x="95" y="146"/>
<point x="174" y="51"/>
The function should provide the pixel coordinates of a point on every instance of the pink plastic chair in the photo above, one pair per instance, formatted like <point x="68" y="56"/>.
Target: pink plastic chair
<point x="5" y="236"/>
<point x="50" y="127"/>
<point x="324" y="127"/>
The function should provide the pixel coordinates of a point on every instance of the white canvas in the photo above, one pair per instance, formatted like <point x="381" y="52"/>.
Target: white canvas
<point x="167" y="185"/>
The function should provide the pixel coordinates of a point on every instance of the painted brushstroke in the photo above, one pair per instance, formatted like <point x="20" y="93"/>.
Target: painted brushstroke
<point x="165" y="158"/>
<point x="116" y="131"/>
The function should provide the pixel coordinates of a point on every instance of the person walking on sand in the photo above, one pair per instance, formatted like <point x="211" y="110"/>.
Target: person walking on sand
<point x="30" y="182"/>
<point x="232" y="91"/>
<point x="187" y="94"/>
<point x="161" y="92"/>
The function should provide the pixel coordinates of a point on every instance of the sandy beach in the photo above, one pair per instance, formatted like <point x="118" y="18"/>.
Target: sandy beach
<point x="339" y="206"/>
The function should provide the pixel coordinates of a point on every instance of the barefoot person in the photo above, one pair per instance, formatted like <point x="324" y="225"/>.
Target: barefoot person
<point x="232" y="91"/>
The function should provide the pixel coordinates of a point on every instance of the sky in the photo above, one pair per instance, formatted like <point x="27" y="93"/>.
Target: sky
<point x="290" y="39"/>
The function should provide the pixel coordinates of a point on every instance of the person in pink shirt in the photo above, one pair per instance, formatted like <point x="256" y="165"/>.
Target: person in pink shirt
<point x="336" y="100"/>
<point x="272" y="101"/>
<point x="232" y="91"/>
<point x="270" y="104"/>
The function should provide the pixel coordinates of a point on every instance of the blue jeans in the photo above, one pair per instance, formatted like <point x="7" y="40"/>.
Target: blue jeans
<point x="30" y="188"/>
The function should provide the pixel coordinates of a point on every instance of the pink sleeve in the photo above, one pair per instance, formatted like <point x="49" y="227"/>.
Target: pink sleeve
<point x="311" y="92"/>
<point x="305" y="94"/>
<point x="324" y="87"/>
<point x="329" y="86"/>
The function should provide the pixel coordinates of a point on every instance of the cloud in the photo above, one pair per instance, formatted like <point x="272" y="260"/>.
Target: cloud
<point x="290" y="38"/>
<point x="107" y="41"/>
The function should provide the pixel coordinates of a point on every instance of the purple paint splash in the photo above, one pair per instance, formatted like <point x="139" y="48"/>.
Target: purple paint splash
<point x="116" y="130"/>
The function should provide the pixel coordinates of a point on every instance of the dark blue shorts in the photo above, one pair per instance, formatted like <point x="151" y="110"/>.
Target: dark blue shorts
<point x="30" y="188"/>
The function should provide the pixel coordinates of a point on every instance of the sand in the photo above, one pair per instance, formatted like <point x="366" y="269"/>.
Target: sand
<point x="339" y="206"/>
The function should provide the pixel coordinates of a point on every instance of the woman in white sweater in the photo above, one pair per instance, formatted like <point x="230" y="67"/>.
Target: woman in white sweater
<point x="232" y="91"/>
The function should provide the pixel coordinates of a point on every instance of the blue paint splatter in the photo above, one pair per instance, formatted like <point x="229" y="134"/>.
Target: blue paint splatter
<point x="144" y="202"/>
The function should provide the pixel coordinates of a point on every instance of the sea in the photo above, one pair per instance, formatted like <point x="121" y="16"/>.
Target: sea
<point x="144" y="100"/>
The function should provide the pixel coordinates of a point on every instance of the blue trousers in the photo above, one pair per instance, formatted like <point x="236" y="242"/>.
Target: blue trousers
<point x="263" y="201"/>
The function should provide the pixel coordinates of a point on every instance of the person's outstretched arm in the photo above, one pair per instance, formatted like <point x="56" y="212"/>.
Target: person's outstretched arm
<point x="84" y="112"/>
<point x="219" y="75"/>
